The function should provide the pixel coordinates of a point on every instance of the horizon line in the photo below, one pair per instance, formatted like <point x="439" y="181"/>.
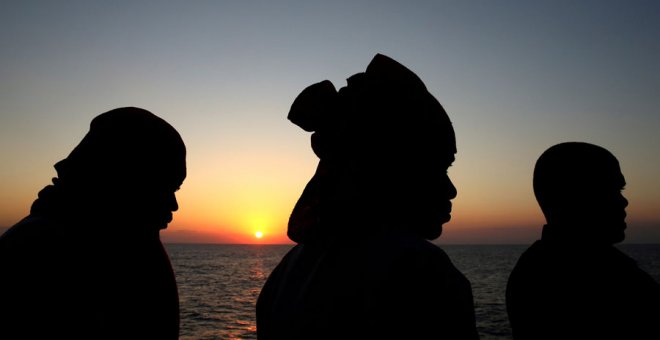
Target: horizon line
<point x="437" y="244"/>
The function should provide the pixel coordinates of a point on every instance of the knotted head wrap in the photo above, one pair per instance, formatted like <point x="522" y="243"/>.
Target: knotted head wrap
<point x="366" y="135"/>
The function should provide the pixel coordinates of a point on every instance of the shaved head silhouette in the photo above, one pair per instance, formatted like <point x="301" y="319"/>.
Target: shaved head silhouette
<point x="578" y="186"/>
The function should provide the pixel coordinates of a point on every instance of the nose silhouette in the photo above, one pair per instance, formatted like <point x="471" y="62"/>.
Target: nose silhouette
<point x="172" y="203"/>
<point x="451" y="189"/>
<point x="624" y="200"/>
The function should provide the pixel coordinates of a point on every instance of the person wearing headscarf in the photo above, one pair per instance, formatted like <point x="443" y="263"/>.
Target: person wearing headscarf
<point x="363" y="266"/>
<point x="574" y="283"/>
<point x="88" y="263"/>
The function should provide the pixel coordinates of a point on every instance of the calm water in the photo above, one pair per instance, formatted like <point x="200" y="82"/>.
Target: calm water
<point x="219" y="284"/>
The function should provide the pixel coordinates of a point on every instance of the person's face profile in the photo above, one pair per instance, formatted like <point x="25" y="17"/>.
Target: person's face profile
<point x="609" y="204"/>
<point x="596" y="202"/>
<point x="430" y="201"/>
<point x="445" y="192"/>
<point x="149" y="198"/>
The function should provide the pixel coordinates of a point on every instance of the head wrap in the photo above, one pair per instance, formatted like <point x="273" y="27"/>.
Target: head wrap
<point x="124" y="147"/>
<point x="382" y="118"/>
<point x="124" y="142"/>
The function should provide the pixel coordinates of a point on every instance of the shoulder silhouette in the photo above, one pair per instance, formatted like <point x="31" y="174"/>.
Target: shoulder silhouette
<point x="88" y="262"/>
<point x="363" y="267"/>
<point x="573" y="283"/>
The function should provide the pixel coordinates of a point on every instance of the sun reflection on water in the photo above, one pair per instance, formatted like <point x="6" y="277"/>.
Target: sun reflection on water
<point x="219" y="286"/>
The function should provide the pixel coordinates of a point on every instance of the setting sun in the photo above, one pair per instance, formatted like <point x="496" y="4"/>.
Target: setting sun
<point x="259" y="234"/>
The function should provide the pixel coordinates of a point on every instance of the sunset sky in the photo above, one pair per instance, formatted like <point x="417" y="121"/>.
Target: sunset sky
<point x="515" y="77"/>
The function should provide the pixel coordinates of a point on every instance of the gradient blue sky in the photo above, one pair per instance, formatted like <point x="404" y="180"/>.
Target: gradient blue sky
<point x="515" y="77"/>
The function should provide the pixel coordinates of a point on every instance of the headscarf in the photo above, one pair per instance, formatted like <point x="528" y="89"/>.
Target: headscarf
<point x="364" y="134"/>
<point x="123" y="148"/>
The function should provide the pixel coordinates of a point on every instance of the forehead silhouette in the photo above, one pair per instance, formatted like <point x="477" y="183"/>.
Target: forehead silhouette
<point x="127" y="142"/>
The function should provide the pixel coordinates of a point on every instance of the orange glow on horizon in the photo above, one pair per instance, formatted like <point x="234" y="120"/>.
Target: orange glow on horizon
<point x="234" y="195"/>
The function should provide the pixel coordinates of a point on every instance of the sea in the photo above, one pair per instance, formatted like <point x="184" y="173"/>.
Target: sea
<point x="219" y="284"/>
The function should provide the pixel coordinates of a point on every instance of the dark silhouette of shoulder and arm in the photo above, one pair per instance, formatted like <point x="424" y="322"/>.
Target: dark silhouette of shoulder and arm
<point x="88" y="263"/>
<point x="573" y="283"/>
<point x="363" y="267"/>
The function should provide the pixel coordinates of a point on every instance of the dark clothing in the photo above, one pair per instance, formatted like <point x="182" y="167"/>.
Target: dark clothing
<point x="385" y="287"/>
<point x="87" y="263"/>
<point x="65" y="279"/>
<point x="362" y="268"/>
<point x="563" y="290"/>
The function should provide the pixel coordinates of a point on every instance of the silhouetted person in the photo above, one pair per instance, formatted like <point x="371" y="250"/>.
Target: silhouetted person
<point x="363" y="268"/>
<point x="88" y="263"/>
<point x="573" y="283"/>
